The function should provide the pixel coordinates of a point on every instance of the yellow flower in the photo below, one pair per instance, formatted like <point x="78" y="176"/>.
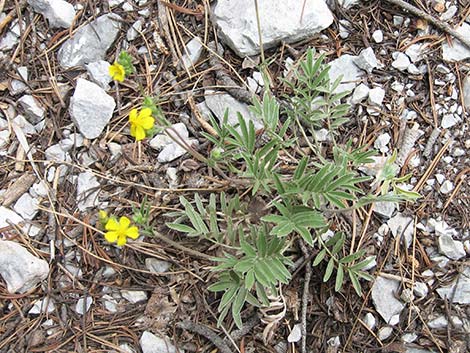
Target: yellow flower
<point x="140" y="122"/>
<point x="103" y="217"/>
<point x="117" y="72"/>
<point x="118" y="232"/>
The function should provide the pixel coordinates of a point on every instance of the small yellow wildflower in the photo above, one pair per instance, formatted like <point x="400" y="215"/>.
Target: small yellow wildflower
<point x="118" y="232"/>
<point x="103" y="217"/>
<point x="117" y="72"/>
<point x="140" y="122"/>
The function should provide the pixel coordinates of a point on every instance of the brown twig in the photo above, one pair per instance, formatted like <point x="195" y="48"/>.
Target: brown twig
<point x="207" y="333"/>
<point x="439" y="24"/>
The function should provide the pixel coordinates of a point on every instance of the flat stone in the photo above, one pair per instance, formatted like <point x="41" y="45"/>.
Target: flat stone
<point x="370" y="321"/>
<point x="401" y="62"/>
<point x="415" y="52"/>
<point x="446" y="187"/>
<point x="449" y="120"/>
<point x="157" y="266"/>
<point x="280" y="21"/>
<point x="296" y="334"/>
<point x="83" y="305"/>
<point x="134" y="296"/>
<point x="385" y="332"/>
<point x="26" y="206"/>
<point x="55" y="153"/>
<point x="153" y="344"/>
<point x="42" y="306"/>
<point x="91" y="108"/>
<point x="59" y="13"/>
<point x="366" y="60"/>
<point x="376" y="96"/>
<point x="360" y="93"/>
<point x="134" y="30"/>
<point x="385" y="208"/>
<point x="402" y="226"/>
<point x="87" y="191"/>
<point x="345" y="66"/>
<point x="459" y="290"/>
<point x="451" y="248"/>
<point x="33" y="110"/>
<point x="20" y="269"/>
<point x="384" y="293"/>
<point x="98" y="72"/>
<point x="9" y="40"/>
<point x="420" y="289"/>
<point x="192" y="53"/>
<point x="378" y="36"/>
<point x="90" y="42"/>
<point x="466" y="91"/>
<point x="219" y="102"/>
<point x="458" y="51"/>
<point x="171" y="150"/>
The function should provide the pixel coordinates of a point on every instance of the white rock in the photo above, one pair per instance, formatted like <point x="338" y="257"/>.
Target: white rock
<point x="98" y="72"/>
<point x="59" y="13"/>
<point x="407" y="295"/>
<point x="459" y="290"/>
<point x="401" y="62"/>
<point x="450" y="13"/>
<point x="360" y="93"/>
<point x="134" y="30"/>
<point x="343" y="28"/>
<point x="90" y="42"/>
<point x="134" y="296"/>
<point x="20" y="269"/>
<point x="446" y="187"/>
<point x="153" y="344"/>
<point x="347" y="3"/>
<point x="156" y="266"/>
<point x="466" y="91"/>
<point x="55" y="153"/>
<point x="91" y="108"/>
<point x="385" y="208"/>
<point x="192" y="53"/>
<point x="384" y="293"/>
<point x="420" y="289"/>
<point x="402" y="226"/>
<point x="11" y="38"/>
<point x="378" y="36"/>
<point x="376" y="96"/>
<point x="409" y="337"/>
<point x="4" y="133"/>
<point x="385" y="332"/>
<point x="238" y="26"/>
<point x="42" y="306"/>
<point x="415" y="52"/>
<point x="449" y="120"/>
<point x="33" y="110"/>
<point x="126" y="348"/>
<point x="345" y="66"/>
<point x="296" y="334"/>
<point x="109" y="303"/>
<point x="366" y="60"/>
<point x="83" y="305"/>
<point x="438" y="323"/>
<point x="87" y="191"/>
<point x="370" y="321"/>
<point x="218" y="102"/>
<point x="24" y="125"/>
<point x="457" y="51"/>
<point x="26" y="206"/>
<point x="451" y="248"/>
<point x="382" y="141"/>
<point x="170" y="150"/>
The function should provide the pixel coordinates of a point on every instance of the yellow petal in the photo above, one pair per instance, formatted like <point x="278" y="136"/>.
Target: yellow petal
<point x="133" y="232"/>
<point x="112" y="224"/>
<point x="124" y="222"/>
<point x="111" y="236"/>
<point x="145" y="113"/>
<point x="133" y="115"/>
<point x="147" y="122"/>
<point x="133" y="130"/>
<point x="121" y="240"/>
<point x="139" y="133"/>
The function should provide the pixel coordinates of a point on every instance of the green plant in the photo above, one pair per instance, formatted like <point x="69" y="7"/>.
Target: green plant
<point x="298" y="193"/>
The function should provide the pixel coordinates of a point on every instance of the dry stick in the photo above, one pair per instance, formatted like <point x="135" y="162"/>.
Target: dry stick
<point x="439" y="24"/>
<point x="207" y="333"/>
<point x="308" y="276"/>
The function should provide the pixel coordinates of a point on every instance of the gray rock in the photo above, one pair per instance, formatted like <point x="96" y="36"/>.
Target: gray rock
<point x="345" y="66"/>
<point x="417" y="350"/>
<point x="466" y="91"/>
<point x="450" y="13"/>
<point x="409" y="337"/>
<point x="90" y="42"/>
<point x="420" y="289"/>
<point x="366" y="60"/>
<point x="170" y="150"/>
<point x="218" y="102"/>
<point x="403" y="227"/>
<point x="296" y="334"/>
<point x="385" y="208"/>
<point x="459" y="290"/>
<point x="134" y="296"/>
<point x="449" y="120"/>
<point x="370" y="321"/>
<point x="156" y="266"/>
<point x="401" y="61"/>
<point x="55" y="153"/>
<point x="280" y="21"/>
<point x="451" y="248"/>
<point x="20" y="269"/>
<point x="360" y="93"/>
<point x="378" y="36"/>
<point x="59" y="13"/>
<point x="8" y="217"/>
<point x="134" y="30"/>
<point x="98" y="72"/>
<point x="91" y="108"/>
<point x="415" y="52"/>
<point x="11" y="38"/>
<point x="376" y="96"/>
<point x="457" y="51"/>
<point x="83" y="305"/>
<point x="385" y="332"/>
<point x="153" y="344"/>
<point x="384" y="297"/>
<point x="441" y="322"/>
<point x="33" y="110"/>
<point x="19" y="86"/>
<point x="26" y="206"/>
<point x="42" y="306"/>
<point x="192" y="53"/>
<point x="87" y="191"/>
<point x="446" y="187"/>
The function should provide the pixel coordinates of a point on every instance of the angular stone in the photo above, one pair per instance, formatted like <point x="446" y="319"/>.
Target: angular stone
<point x="457" y="51"/>
<point x="59" y="13"/>
<point x="459" y="290"/>
<point x="360" y="93"/>
<point x="26" y="206"/>
<point x="376" y="96"/>
<point x="98" y="72"/>
<point x="153" y="344"/>
<point x="401" y="62"/>
<point x="466" y="92"/>
<point x="90" y="42"/>
<point x="402" y="226"/>
<point x="451" y="248"/>
<point x="87" y="191"/>
<point x="378" y="36"/>
<point x="287" y="21"/>
<point x="192" y="53"/>
<point x="345" y="66"/>
<point x="20" y="269"/>
<point x="384" y="293"/>
<point x="33" y="110"/>
<point x="134" y="296"/>
<point x="91" y="108"/>
<point x="367" y="60"/>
